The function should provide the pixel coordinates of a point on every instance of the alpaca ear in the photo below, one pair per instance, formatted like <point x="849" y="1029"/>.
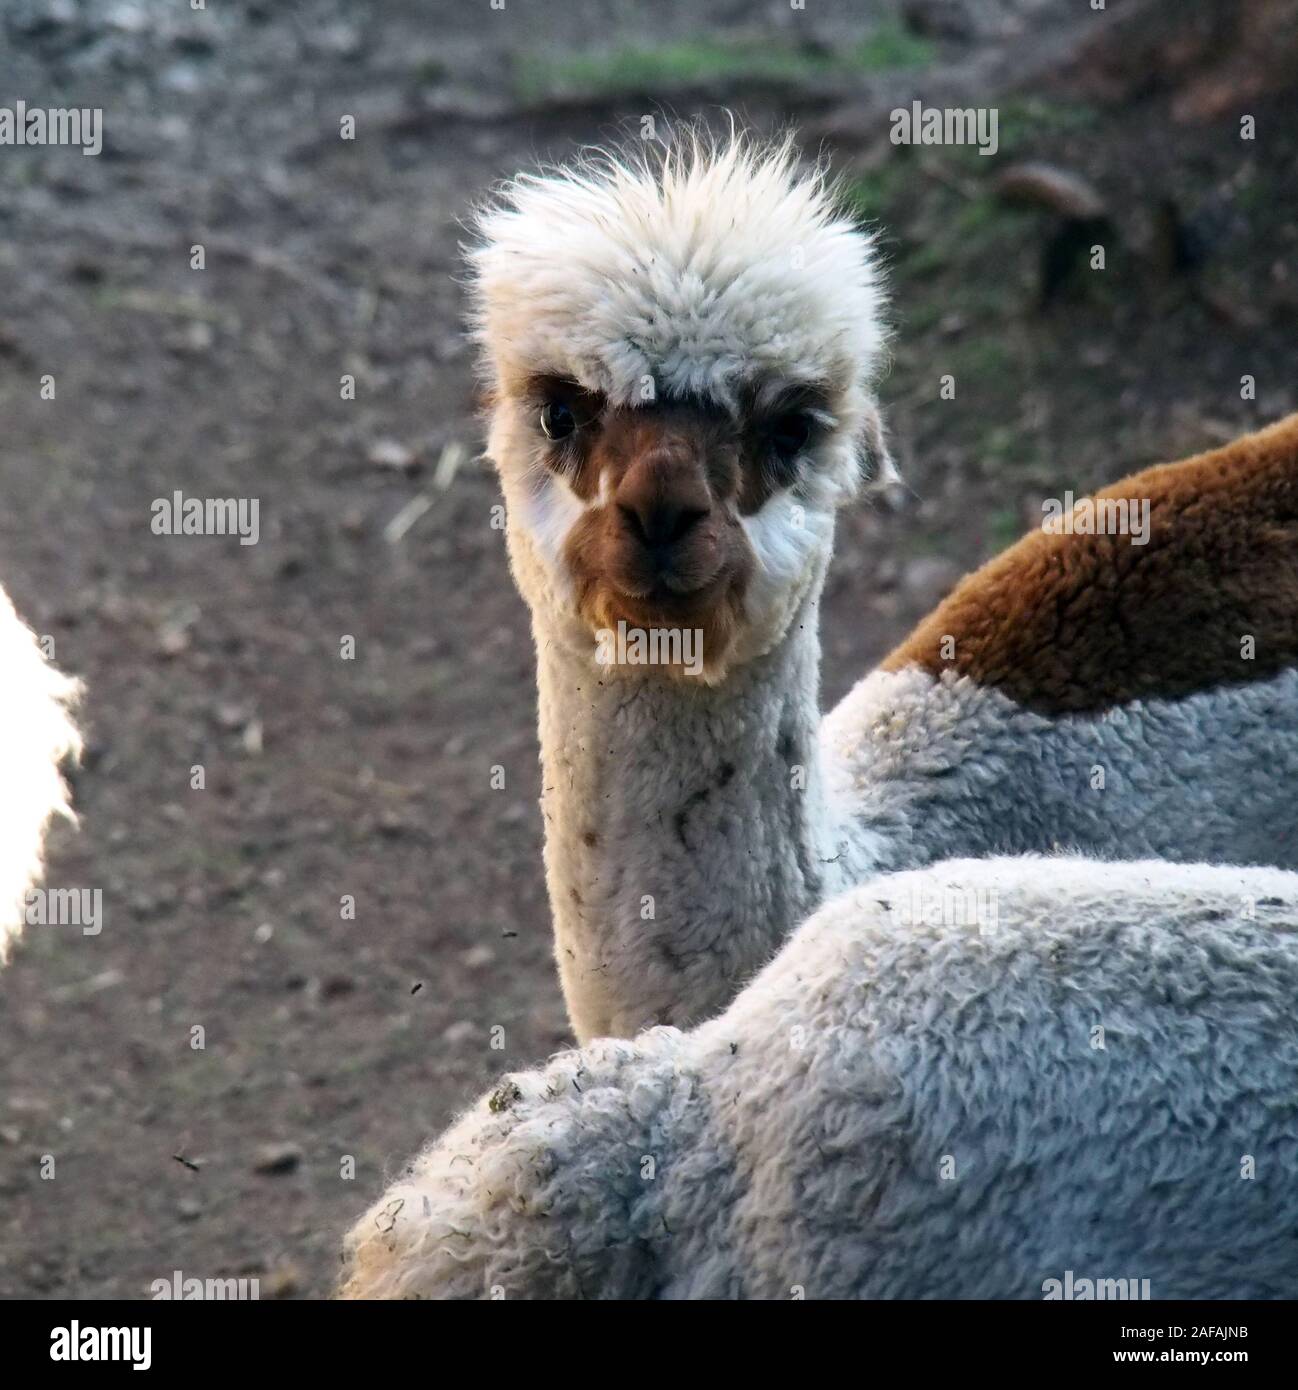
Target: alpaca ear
<point x="879" y="475"/>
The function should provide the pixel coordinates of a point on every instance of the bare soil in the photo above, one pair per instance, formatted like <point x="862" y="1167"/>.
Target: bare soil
<point x="322" y="1037"/>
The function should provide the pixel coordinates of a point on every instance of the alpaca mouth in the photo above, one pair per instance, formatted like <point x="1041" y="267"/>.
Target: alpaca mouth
<point x="664" y="590"/>
<point x="667" y="598"/>
<point x="648" y="581"/>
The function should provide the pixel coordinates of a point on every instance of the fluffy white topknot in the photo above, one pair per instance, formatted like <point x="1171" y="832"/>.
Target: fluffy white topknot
<point x="701" y="267"/>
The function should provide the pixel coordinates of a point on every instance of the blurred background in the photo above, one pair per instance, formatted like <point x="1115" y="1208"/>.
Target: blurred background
<point x="325" y="1037"/>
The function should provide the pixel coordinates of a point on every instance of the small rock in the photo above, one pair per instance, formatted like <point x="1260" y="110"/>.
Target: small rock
<point x="391" y="453"/>
<point x="478" y="957"/>
<point x="172" y="640"/>
<point x="277" y="1159"/>
<point x="189" y="1209"/>
<point x="459" y="1032"/>
<point x="231" y="717"/>
<point x="194" y="338"/>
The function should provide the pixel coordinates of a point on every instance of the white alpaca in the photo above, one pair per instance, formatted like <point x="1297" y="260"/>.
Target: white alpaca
<point x="1084" y="1068"/>
<point x="681" y="359"/>
<point x="36" y="733"/>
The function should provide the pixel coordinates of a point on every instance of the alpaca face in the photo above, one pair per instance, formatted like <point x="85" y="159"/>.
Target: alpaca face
<point x="680" y="355"/>
<point x="668" y="517"/>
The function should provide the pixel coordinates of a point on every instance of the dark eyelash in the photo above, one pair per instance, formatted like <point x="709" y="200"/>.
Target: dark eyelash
<point x="585" y="405"/>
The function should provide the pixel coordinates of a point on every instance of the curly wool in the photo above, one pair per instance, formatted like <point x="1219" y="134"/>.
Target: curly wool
<point x="1096" y="1076"/>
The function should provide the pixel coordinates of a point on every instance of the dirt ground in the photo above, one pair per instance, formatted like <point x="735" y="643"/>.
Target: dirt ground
<point x="323" y="1037"/>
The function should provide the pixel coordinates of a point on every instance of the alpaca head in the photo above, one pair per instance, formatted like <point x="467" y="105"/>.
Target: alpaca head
<point x="680" y="350"/>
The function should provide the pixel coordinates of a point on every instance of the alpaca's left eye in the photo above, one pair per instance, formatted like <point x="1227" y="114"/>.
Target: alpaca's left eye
<point x="789" y="434"/>
<point x="557" y="420"/>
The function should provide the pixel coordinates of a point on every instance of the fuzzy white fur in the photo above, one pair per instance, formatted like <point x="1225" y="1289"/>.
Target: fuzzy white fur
<point x="714" y="268"/>
<point x="1094" y="1073"/>
<point x="36" y="733"/>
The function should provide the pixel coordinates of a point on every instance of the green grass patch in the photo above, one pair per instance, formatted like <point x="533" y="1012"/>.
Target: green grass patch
<point x="891" y="47"/>
<point x="1031" y="120"/>
<point x="700" y="62"/>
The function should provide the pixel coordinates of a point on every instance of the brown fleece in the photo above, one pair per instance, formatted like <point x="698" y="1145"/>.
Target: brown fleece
<point x="1077" y="623"/>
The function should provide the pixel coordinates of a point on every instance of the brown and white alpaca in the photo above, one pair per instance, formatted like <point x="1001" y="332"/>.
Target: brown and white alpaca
<point x="681" y="352"/>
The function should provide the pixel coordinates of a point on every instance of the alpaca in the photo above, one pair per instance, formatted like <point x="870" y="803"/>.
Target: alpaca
<point x="681" y="351"/>
<point x="984" y="1079"/>
<point x="36" y="734"/>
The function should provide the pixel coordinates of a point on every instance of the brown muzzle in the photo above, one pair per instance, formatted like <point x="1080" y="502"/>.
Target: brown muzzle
<point x="665" y="547"/>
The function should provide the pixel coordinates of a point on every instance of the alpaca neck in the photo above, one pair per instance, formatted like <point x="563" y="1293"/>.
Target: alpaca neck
<point x="687" y="828"/>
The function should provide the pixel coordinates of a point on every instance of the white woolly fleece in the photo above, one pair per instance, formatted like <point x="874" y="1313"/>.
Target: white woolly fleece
<point x="36" y="733"/>
<point x="701" y="268"/>
<point x="930" y="768"/>
<point x="902" y="1106"/>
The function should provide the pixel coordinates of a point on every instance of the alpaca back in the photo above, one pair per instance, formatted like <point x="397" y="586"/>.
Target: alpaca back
<point x="935" y="767"/>
<point x="1124" y="685"/>
<point x="965" y="1081"/>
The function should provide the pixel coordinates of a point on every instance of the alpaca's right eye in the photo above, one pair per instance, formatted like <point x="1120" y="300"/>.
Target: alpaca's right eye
<point x="557" y="420"/>
<point x="790" y="433"/>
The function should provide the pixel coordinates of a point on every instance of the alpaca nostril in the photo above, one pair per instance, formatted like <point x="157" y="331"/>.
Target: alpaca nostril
<point x="631" y="521"/>
<point x="659" y="524"/>
<point x="686" y="520"/>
